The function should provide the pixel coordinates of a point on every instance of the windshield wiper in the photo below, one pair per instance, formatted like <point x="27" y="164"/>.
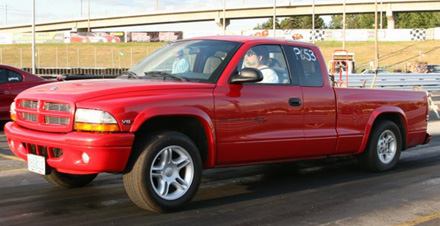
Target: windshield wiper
<point x="164" y="75"/>
<point x="130" y="74"/>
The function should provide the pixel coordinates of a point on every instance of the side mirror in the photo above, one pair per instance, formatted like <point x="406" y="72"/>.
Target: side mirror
<point x="247" y="75"/>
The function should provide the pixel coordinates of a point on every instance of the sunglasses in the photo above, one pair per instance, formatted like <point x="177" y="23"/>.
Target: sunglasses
<point x="250" y="54"/>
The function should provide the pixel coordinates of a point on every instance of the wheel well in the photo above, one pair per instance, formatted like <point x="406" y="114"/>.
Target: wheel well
<point x="188" y="125"/>
<point x="396" y="118"/>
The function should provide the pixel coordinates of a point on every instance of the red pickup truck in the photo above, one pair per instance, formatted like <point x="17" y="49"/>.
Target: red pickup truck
<point x="204" y="103"/>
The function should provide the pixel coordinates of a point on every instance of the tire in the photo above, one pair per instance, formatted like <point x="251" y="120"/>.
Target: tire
<point x="69" y="180"/>
<point x="383" y="149"/>
<point x="167" y="173"/>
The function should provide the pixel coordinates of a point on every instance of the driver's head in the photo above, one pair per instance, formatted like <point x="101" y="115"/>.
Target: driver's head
<point x="257" y="56"/>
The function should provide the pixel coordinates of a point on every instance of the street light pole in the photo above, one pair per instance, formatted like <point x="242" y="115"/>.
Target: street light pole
<point x="33" y="37"/>
<point x="274" y="17"/>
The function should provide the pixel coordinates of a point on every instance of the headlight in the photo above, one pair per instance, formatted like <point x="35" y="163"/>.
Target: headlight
<point x="95" y="121"/>
<point x="12" y="111"/>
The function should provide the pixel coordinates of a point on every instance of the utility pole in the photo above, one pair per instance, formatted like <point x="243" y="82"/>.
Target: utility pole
<point x="343" y="27"/>
<point x="6" y="14"/>
<point x="81" y="8"/>
<point x="33" y="37"/>
<point x="376" y="63"/>
<point x="274" y="16"/>
<point x="381" y="11"/>
<point x="224" y="17"/>
<point x="88" y="17"/>
<point x="313" y="22"/>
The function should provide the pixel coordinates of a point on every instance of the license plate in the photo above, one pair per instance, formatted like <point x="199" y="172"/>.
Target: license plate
<point x="36" y="164"/>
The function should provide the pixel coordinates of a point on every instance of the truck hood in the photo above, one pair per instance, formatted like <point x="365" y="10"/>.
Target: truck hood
<point x="75" y="91"/>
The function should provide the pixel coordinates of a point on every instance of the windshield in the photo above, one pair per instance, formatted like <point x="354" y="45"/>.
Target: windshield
<point x="192" y="60"/>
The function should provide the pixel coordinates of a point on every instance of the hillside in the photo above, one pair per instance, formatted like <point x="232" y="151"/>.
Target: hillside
<point x="393" y="55"/>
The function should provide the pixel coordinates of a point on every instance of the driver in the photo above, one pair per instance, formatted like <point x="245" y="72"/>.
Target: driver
<point x="258" y="57"/>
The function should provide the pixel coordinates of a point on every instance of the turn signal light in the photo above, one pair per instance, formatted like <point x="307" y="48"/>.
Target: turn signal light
<point x="79" y="126"/>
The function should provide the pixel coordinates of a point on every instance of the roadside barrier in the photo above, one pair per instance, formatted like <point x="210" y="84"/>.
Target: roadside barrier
<point x="429" y="82"/>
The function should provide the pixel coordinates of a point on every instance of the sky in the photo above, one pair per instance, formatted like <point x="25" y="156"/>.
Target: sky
<point x="20" y="11"/>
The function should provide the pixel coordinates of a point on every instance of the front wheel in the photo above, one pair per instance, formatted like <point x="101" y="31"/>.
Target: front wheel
<point x="69" y="180"/>
<point x="166" y="174"/>
<point x="383" y="148"/>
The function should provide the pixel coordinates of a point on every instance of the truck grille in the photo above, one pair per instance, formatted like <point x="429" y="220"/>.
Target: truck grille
<point x="44" y="115"/>
<point x="48" y="152"/>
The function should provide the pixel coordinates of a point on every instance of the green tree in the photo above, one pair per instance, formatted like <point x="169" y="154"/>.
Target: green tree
<point x="336" y="22"/>
<point x="268" y="24"/>
<point x="302" y="22"/>
<point x="418" y="20"/>
<point x="357" y="21"/>
<point x="297" y="22"/>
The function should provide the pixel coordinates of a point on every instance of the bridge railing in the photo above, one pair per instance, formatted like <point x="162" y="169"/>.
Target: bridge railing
<point x="429" y="82"/>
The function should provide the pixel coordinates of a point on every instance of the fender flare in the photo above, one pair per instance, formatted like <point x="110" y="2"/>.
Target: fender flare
<point x="374" y="115"/>
<point x="201" y="115"/>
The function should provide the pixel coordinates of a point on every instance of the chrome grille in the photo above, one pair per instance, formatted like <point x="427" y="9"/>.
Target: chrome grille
<point x="31" y="104"/>
<point x="29" y="116"/>
<point x="48" y="116"/>
<point x="56" y="120"/>
<point x="50" y="106"/>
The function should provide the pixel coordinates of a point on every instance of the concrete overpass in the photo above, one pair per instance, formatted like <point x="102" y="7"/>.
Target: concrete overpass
<point x="216" y="14"/>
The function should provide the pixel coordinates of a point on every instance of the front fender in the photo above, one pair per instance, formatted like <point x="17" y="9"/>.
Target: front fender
<point x="374" y="115"/>
<point x="201" y="115"/>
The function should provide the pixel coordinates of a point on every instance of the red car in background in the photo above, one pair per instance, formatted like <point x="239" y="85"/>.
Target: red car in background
<point x="12" y="82"/>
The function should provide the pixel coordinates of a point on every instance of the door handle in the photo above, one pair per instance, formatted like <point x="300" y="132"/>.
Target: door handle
<point x="295" y="102"/>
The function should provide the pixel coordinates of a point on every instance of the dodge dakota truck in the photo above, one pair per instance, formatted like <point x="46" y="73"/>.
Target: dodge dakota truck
<point x="203" y="103"/>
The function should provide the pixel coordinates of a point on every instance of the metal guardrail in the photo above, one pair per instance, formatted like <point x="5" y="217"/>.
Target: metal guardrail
<point x="429" y="82"/>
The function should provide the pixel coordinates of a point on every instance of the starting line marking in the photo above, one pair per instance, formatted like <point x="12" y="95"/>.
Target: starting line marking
<point x="11" y="157"/>
<point x="13" y="170"/>
<point x="420" y="220"/>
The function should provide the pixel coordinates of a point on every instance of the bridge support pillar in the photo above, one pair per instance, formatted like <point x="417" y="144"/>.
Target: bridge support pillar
<point x="391" y="17"/>
<point x="80" y="30"/>
<point x="219" y="22"/>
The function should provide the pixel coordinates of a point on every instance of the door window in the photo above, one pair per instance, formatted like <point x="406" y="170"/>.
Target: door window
<point x="3" y="75"/>
<point x="8" y="76"/>
<point x="270" y="60"/>
<point x="306" y="63"/>
<point x="14" y="77"/>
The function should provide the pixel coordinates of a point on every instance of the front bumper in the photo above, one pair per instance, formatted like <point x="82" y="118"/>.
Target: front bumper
<point x="107" y="152"/>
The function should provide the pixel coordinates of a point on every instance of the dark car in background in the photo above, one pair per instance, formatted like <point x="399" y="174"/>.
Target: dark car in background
<point x="12" y="82"/>
<point x="433" y="68"/>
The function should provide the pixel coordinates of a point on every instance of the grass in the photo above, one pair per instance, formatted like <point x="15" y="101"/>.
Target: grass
<point x="393" y="55"/>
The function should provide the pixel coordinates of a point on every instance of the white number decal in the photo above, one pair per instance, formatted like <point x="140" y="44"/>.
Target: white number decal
<point x="304" y="54"/>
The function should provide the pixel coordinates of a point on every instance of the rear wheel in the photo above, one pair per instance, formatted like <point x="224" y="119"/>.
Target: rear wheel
<point x="166" y="174"/>
<point x="69" y="180"/>
<point x="384" y="147"/>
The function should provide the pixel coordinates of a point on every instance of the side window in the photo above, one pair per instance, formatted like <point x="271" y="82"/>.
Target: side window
<point x="14" y="77"/>
<point x="3" y="76"/>
<point x="306" y="63"/>
<point x="270" y="60"/>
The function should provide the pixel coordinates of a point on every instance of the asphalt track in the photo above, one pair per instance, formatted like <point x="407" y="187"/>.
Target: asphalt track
<point x="326" y="193"/>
